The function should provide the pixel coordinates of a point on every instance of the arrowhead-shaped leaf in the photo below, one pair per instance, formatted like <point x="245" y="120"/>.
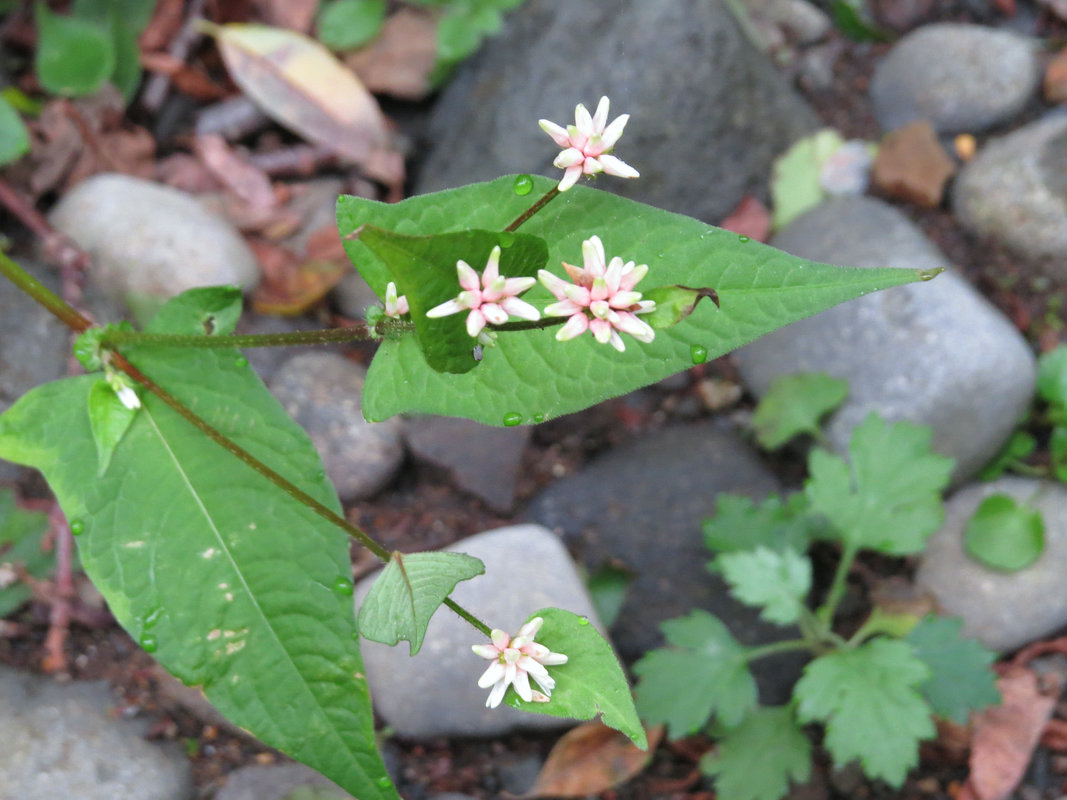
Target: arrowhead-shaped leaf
<point x="529" y="376"/>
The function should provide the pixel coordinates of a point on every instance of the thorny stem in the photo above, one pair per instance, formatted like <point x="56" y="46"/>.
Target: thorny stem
<point x="78" y="323"/>
<point x="117" y="338"/>
<point x="549" y="196"/>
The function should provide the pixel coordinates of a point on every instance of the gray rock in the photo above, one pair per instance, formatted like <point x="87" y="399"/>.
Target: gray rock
<point x="279" y="782"/>
<point x="934" y="353"/>
<point x="149" y="242"/>
<point x="804" y="22"/>
<point x="1005" y="610"/>
<point x="34" y="345"/>
<point x="354" y="296"/>
<point x="962" y="78"/>
<point x="60" y="740"/>
<point x="1015" y="190"/>
<point x="266" y="360"/>
<point x="480" y="459"/>
<point x="316" y="203"/>
<point x="322" y="392"/>
<point x="709" y="113"/>
<point x="436" y="692"/>
<point x="640" y="507"/>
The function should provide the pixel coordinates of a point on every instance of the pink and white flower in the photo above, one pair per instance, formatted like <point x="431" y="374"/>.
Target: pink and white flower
<point x="515" y="661"/>
<point x="601" y="299"/>
<point x="587" y="145"/>
<point x="395" y="306"/>
<point x="490" y="301"/>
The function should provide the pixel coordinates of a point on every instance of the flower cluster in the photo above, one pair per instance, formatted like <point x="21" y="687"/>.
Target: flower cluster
<point x="395" y="306"/>
<point x="601" y="299"/>
<point x="587" y="145"/>
<point x="515" y="661"/>
<point x="490" y="301"/>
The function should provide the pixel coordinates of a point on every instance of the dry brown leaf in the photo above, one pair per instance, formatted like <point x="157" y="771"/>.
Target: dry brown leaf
<point x="289" y="286"/>
<point x="296" y="15"/>
<point x="187" y="79"/>
<point x="751" y="218"/>
<point x="274" y="223"/>
<point x="1005" y="736"/>
<point x="400" y="59"/>
<point x="243" y="179"/>
<point x="325" y="245"/>
<point x="591" y="759"/>
<point x="300" y="84"/>
<point x="186" y="172"/>
<point x="164" y="25"/>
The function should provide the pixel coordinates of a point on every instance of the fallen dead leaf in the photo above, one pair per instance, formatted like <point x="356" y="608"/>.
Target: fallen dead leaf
<point x="164" y="25"/>
<point x="1005" y="736"/>
<point x="912" y="166"/>
<point x="325" y="245"/>
<point x="186" y="78"/>
<point x="590" y="759"/>
<point x="289" y="286"/>
<point x="273" y="223"/>
<point x="246" y="181"/>
<point x="751" y="218"/>
<point x="1056" y="79"/>
<point x="400" y="59"/>
<point x="186" y="172"/>
<point x="300" y="84"/>
<point x="296" y="15"/>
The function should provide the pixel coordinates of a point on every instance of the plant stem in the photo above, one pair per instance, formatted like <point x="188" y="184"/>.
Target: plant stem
<point x="825" y="613"/>
<point x="549" y="196"/>
<point x="117" y="338"/>
<point x="78" y="323"/>
<point x="773" y="648"/>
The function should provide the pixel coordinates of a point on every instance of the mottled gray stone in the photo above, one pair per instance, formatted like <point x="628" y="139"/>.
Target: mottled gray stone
<point x="804" y="22"/>
<point x="279" y="782"/>
<point x="640" y="507"/>
<point x="480" y="459"/>
<point x="436" y="692"/>
<point x="316" y="203"/>
<point x="1015" y="190"/>
<point x="962" y="78"/>
<point x="933" y="353"/>
<point x="149" y="242"/>
<point x="61" y="741"/>
<point x="34" y="345"/>
<point x="322" y="392"/>
<point x="1005" y="610"/>
<point x="266" y="360"/>
<point x="709" y="112"/>
<point x="353" y="296"/>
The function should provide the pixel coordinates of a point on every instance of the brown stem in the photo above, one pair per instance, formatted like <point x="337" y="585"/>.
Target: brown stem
<point x="55" y="654"/>
<point x="550" y="195"/>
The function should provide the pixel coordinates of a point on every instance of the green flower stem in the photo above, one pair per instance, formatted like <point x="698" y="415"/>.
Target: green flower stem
<point x="116" y="338"/>
<point x="78" y="323"/>
<point x="549" y="196"/>
<point x="837" y="588"/>
<point x="773" y="648"/>
<point x="43" y="295"/>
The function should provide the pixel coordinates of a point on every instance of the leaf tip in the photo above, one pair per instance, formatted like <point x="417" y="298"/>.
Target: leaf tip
<point x="929" y="274"/>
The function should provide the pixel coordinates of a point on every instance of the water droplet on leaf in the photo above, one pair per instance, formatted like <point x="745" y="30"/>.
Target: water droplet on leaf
<point x="343" y="586"/>
<point x="523" y="184"/>
<point x="539" y="418"/>
<point x="240" y="361"/>
<point x="321" y="475"/>
<point x="506" y="239"/>
<point x="743" y="239"/>
<point x="148" y="642"/>
<point x="583" y="621"/>
<point x="512" y="418"/>
<point x="76" y="527"/>
<point x="384" y="782"/>
<point x="698" y="353"/>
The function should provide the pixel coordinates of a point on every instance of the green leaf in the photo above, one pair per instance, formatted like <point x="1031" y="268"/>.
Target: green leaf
<point x="868" y="699"/>
<point x="21" y="532"/>
<point x="532" y="377"/>
<point x="776" y="581"/>
<point x="74" y="57"/>
<point x="212" y="310"/>
<point x="1019" y="446"/>
<point x="1004" y="534"/>
<point x="410" y="589"/>
<point x="424" y="269"/>
<point x="590" y="683"/>
<point x="739" y="524"/>
<point x="704" y="673"/>
<point x="852" y="18"/>
<point x="345" y="24"/>
<point x="1057" y="450"/>
<point x="961" y="679"/>
<point x="109" y="420"/>
<point x="607" y="588"/>
<point x="674" y="303"/>
<point x="889" y="499"/>
<point x="123" y="20"/>
<point x="233" y="584"/>
<point x="795" y="185"/>
<point x="794" y="404"/>
<point x="1052" y="377"/>
<point x="14" y="140"/>
<point x="758" y="759"/>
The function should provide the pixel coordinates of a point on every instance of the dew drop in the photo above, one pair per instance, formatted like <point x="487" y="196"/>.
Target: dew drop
<point x="539" y="418"/>
<point x="148" y="642"/>
<point x="384" y="782"/>
<point x="153" y="617"/>
<point x="321" y="475"/>
<point x="506" y="239"/>
<point x="77" y="527"/>
<point x="240" y="361"/>
<point x="744" y="239"/>
<point x="930" y="274"/>
<point x="523" y="184"/>
<point x="698" y="353"/>
<point x="583" y="621"/>
<point x="343" y="586"/>
<point x="512" y="418"/>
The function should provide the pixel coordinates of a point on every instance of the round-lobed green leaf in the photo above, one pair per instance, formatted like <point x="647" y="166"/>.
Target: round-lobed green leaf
<point x="1005" y="534"/>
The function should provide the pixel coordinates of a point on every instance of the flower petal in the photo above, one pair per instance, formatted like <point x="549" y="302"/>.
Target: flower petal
<point x="600" y="118"/>
<point x="582" y="121"/>
<point x="522" y="685"/>
<point x="475" y="322"/>
<point x="570" y="177"/>
<point x="492" y="268"/>
<point x="468" y="278"/>
<point x="564" y="308"/>
<point x="570" y="157"/>
<point x="514" y="286"/>
<point x="558" y="133"/>
<point x="496" y="695"/>
<point x="530" y="629"/>
<point x="601" y="329"/>
<point x="612" y="133"/>
<point x="575" y="326"/>
<point x="617" y="167"/>
<point x="552" y="282"/>
<point x="445" y="309"/>
<point x="485" y="650"/>
<point x="637" y="328"/>
<point x="593" y="257"/>
<point x="493" y="314"/>
<point x="492" y="675"/>
<point x="520" y="308"/>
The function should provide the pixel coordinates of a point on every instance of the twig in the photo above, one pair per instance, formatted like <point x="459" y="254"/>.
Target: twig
<point x="156" y="90"/>
<point x="71" y="112"/>
<point x="55" y="654"/>
<point x="296" y="161"/>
